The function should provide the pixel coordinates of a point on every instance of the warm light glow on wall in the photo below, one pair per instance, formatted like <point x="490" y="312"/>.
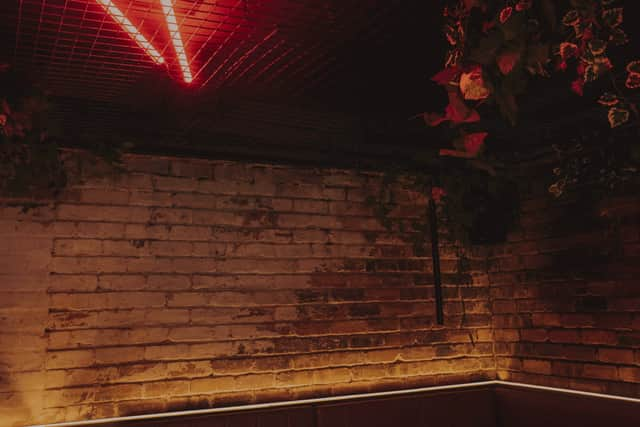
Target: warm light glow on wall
<point x="119" y="17"/>
<point x="176" y="38"/>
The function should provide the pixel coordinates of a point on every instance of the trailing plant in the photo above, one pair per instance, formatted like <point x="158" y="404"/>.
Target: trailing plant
<point x="29" y="157"/>
<point x="498" y="46"/>
<point x="31" y="160"/>
<point x="496" y="49"/>
<point x="473" y="207"/>
<point x="599" y="163"/>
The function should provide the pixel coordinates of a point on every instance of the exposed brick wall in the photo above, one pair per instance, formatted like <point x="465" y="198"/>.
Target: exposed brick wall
<point x="566" y="296"/>
<point x="186" y="283"/>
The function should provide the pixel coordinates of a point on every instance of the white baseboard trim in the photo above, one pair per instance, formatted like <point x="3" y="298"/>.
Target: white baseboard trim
<point x="567" y="391"/>
<point x="302" y="402"/>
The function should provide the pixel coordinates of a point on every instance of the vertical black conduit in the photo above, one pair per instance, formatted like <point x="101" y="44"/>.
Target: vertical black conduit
<point x="435" y="255"/>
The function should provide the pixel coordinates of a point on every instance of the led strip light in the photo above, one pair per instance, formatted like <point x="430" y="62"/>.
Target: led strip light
<point x="176" y="38"/>
<point x="133" y="32"/>
<point x="335" y="399"/>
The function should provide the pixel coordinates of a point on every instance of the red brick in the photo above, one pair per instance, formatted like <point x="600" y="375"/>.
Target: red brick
<point x="537" y="366"/>
<point x="590" y="336"/>
<point x="121" y="282"/>
<point x="70" y="359"/>
<point x="503" y="306"/>
<point x="168" y="282"/>
<point x="165" y="389"/>
<point x="508" y="335"/>
<point x="615" y="355"/>
<point x="191" y="169"/>
<point x="211" y="385"/>
<point x="546" y="320"/>
<point x="577" y="352"/>
<point x="603" y="372"/>
<point x="147" y="165"/>
<point x="109" y="393"/>
<point x="116" y="355"/>
<point x="72" y="247"/>
<point x="629" y="374"/>
<point x="539" y="335"/>
<point x="71" y="283"/>
<point x="569" y="336"/>
<point x="567" y="369"/>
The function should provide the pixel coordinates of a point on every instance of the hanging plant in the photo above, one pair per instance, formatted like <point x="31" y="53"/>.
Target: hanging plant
<point x="29" y="158"/>
<point x="591" y="30"/>
<point x="496" y="47"/>
<point x="31" y="161"/>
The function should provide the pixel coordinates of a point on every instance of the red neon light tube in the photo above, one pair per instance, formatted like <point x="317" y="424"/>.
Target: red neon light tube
<point x="119" y="17"/>
<point x="176" y="38"/>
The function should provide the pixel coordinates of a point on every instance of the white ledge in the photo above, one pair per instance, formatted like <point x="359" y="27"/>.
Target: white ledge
<point x="302" y="402"/>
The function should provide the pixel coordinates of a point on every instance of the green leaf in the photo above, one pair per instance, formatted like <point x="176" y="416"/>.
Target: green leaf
<point x="618" y="116"/>
<point x="508" y="106"/>
<point x="571" y="18"/>
<point x="487" y="50"/>
<point x="514" y="27"/>
<point x="633" y="67"/>
<point x="590" y="73"/>
<point x="537" y="58"/>
<point x="508" y="58"/>
<point x="608" y="99"/>
<point x="618" y="37"/>
<point x="549" y="13"/>
<point x="568" y="50"/>
<point x="597" y="47"/>
<point x="612" y="17"/>
<point x="633" y="81"/>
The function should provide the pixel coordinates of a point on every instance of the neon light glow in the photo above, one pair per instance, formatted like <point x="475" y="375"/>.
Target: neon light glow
<point x="119" y="17"/>
<point x="176" y="38"/>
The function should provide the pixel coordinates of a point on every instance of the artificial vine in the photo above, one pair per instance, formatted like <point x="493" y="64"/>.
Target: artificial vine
<point x="474" y="207"/>
<point x="32" y="165"/>
<point x="496" y="49"/>
<point x="497" y="46"/>
<point x="29" y="157"/>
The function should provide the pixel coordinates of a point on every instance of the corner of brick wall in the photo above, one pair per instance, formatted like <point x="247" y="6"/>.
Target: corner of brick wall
<point x="566" y="298"/>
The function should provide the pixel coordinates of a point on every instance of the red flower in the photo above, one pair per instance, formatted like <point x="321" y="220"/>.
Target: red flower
<point x="437" y="193"/>
<point x="568" y="50"/>
<point x="587" y="34"/>
<point x="578" y="86"/>
<point x="581" y="68"/>
<point x="633" y="81"/>
<point x="505" y="14"/>
<point x="474" y="142"/>
<point x="562" y="65"/>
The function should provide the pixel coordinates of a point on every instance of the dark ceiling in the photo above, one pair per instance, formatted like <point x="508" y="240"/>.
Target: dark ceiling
<point x="331" y="49"/>
<point x="320" y="75"/>
<point x="314" y="80"/>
